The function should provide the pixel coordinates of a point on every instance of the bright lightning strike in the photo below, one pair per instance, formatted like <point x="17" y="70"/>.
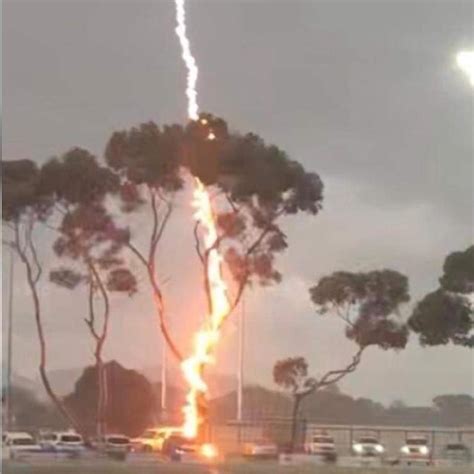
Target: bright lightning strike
<point x="465" y="62"/>
<point x="188" y="59"/>
<point x="207" y="338"/>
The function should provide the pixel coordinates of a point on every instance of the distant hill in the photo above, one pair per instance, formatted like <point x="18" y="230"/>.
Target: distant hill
<point x="334" y="407"/>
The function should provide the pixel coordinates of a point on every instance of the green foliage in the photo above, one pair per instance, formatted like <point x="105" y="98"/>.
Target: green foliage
<point x="458" y="272"/>
<point x="367" y="302"/>
<point x="76" y="178"/>
<point x="447" y="314"/>
<point x="131" y="399"/>
<point x="441" y="318"/>
<point x="20" y="189"/>
<point x="292" y="374"/>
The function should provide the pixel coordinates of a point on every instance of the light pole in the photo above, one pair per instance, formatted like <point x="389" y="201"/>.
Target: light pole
<point x="8" y="399"/>
<point x="240" y="363"/>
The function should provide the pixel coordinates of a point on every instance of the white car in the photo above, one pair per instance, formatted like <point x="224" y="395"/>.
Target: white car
<point x="416" y="451"/>
<point x="368" y="446"/>
<point x="67" y="441"/>
<point x="322" y="445"/>
<point x="115" y="445"/>
<point x="16" y="443"/>
<point x="262" y="449"/>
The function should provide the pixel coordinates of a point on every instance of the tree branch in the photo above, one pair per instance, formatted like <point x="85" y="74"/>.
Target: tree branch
<point x="334" y="376"/>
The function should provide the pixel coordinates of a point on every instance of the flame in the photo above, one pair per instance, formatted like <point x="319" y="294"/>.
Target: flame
<point x="206" y="339"/>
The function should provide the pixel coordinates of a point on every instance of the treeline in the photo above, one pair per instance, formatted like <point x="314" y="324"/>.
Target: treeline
<point x="333" y="407"/>
<point x="134" y="404"/>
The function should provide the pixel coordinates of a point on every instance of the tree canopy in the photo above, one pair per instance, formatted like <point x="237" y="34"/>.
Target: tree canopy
<point x="446" y="315"/>
<point x="368" y="303"/>
<point x="131" y="399"/>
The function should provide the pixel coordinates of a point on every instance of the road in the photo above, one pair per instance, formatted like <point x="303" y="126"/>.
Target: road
<point x="237" y="467"/>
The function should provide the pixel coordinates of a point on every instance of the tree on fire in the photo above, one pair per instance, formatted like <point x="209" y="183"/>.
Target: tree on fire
<point x="447" y="314"/>
<point x="368" y="305"/>
<point x="252" y="183"/>
<point x="92" y="243"/>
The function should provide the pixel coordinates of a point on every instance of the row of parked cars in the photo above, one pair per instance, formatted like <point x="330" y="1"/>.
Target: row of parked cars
<point x="67" y="442"/>
<point x="415" y="450"/>
<point x="167" y="441"/>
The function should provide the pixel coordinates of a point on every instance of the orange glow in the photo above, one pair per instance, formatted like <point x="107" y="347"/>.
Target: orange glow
<point x="209" y="451"/>
<point x="206" y="339"/>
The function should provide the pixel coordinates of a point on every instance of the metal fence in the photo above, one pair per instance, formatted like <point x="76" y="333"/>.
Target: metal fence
<point x="231" y="436"/>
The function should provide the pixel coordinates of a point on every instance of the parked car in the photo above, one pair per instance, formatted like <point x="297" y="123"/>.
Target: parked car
<point x="67" y="441"/>
<point x="16" y="443"/>
<point x="262" y="449"/>
<point x="115" y="445"/>
<point x="323" y="445"/>
<point x="180" y="448"/>
<point x="153" y="438"/>
<point x="416" y="451"/>
<point x="368" y="446"/>
<point x="459" y="453"/>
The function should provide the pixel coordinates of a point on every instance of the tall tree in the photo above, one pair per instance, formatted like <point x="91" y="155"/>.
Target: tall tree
<point x="252" y="184"/>
<point x="131" y="400"/>
<point x="446" y="315"/>
<point x="25" y="205"/>
<point x="92" y="243"/>
<point x="146" y="160"/>
<point x="368" y="305"/>
<point x="292" y="374"/>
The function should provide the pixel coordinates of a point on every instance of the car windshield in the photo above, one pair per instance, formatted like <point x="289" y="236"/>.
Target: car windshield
<point x="323" y="439"/>
<point x="118" y="440"/>
<point x="71" y="439"/>
<point x="456" y="447"/>
<point x="23" y="442"/>
<point x="368" y="441"/>
<point x="417" y="442"/>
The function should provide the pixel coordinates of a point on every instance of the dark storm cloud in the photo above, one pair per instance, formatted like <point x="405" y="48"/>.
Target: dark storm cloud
<point x="364" y="93"/>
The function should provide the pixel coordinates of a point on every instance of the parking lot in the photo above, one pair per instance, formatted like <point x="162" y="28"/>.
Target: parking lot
<point x="152" y="465"/>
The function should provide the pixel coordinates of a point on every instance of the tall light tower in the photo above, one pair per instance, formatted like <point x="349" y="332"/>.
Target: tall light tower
<point x="8" y="398"/>
<point x="240" y="362"/>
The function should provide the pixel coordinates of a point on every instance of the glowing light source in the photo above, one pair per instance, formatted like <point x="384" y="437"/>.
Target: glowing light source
<point x="465" y="62"/>
<point x="209" y="451"/>
<point x="207" y="338"/>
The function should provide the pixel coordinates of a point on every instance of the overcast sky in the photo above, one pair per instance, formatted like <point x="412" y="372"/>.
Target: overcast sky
<point x="364" y="93"/>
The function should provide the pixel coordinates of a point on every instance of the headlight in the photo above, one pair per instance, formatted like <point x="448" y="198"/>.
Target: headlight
<point x="424" y="450"/>
<point x="379" y="448"/>
<point x="358" y="448"/>
<point x="405" y="450"/>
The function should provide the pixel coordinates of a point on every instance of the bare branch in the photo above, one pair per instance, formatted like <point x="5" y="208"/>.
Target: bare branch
<point x="154" y="230"/>
<point x="334" y="376"/>
<point x="197" y="242"/>
<point x="164" y="221"/>
<point x="137" y="253"/>
<point x="90" y="321"/>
